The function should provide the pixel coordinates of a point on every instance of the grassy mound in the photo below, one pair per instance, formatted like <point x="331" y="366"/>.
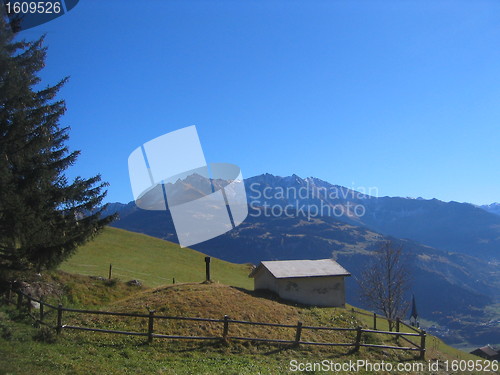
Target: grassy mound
<point x="215" y="301"/>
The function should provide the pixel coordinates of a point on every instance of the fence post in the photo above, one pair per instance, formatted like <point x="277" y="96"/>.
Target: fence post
<point x="207" y="269"/>
<point x="226" y="328"/>
<point x="374" y="321"/>
<point x="151" y="325"/>
<point x="28" y="305"/>
<point x="422" y="345"/>
<point x="298" y="333"/>
<point x="358" y="339"/>
<point x="397" y="330"/>
<point x="59" y="319"/>
<point x="110" y="270"/>
<point x="41" y="309"/>
<point x="19" y="300"/>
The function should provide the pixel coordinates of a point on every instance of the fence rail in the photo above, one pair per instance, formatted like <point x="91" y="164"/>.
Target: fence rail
<point x="226" y="322"/>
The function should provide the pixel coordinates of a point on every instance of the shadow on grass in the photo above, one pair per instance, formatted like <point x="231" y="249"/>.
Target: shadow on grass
<point x="271" y="296"/>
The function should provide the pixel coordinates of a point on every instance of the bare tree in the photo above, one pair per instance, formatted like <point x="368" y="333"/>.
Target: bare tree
<point x="385" y="281"/>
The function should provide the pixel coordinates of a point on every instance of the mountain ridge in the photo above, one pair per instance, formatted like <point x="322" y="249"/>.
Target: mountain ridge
<point x="494" y="208"/>
<point x="451" y="226"/>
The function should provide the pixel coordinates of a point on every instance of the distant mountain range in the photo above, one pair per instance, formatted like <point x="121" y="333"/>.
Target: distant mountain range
<point x="451" y="226"/>
<point x="494" y="208"/>
<point x="453" y="248"/>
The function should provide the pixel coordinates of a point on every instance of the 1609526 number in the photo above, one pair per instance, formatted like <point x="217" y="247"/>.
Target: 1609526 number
<point x="461" y="365"/>
<point x="33" y="7"/>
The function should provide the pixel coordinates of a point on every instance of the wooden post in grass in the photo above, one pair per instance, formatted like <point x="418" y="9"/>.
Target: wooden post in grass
<point x="110" y="269"/>
<point x="375" y="321"/>
<point x="207" y="268"/>
<point x="397" y="329"/>
<point x="59" y="319"/>
<point x="358" y="339"/>
<point x="422" y="345"/>
<point x="151" y="323"/>
<point x="19" y="300"/>
<point x="41" y="309"/>
<point x="298" y="333"/>
<point x="226" y="328"/>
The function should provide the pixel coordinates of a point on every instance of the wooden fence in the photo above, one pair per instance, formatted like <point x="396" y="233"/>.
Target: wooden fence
<point x="24" y="301"/>
<point x="396" y="322"/>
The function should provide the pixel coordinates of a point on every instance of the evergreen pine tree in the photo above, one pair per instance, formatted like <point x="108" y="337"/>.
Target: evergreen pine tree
<point x="43" y="217"/>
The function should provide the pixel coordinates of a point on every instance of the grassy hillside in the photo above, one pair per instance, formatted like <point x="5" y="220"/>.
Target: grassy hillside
<point x="25" y="349"/>
<point x="28" y="350"/>
<point x="152" y="261"/>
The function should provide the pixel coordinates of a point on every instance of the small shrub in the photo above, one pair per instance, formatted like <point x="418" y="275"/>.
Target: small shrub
<point x="111" y="282"/>
<point x="45" y="334"/>
<point x="5" y="331"/>
<point x="19" y="316"/>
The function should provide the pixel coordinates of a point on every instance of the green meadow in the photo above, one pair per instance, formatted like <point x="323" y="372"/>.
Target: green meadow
<point x="152" y="261"/>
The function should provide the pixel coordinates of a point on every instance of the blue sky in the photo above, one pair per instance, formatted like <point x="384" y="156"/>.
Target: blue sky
<point x="399" y="95"/>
